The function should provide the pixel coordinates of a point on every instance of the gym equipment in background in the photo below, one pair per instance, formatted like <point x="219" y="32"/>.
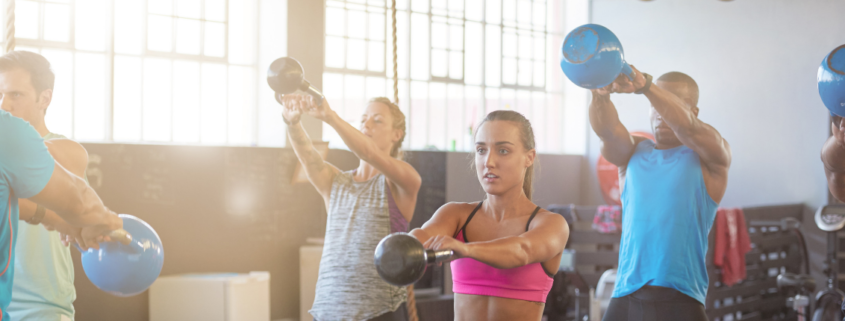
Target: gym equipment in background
<point x="402" y="260"/>
<point x="285" y="75"/>
<point x="827" y="302"/>
<point x="127" y="267"/>
<point x="831" y="78"/>
<point x="592" y="57"/>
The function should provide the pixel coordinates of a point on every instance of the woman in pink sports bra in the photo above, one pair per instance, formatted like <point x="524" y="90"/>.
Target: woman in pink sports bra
<point x="507" y="247"/>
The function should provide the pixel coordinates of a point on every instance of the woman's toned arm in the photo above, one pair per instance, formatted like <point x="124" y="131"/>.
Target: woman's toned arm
<point x="545" y="239"/>
<point x="319" y="172"/>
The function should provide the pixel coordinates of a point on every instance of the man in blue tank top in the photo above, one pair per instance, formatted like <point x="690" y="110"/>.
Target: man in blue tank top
<point x="670" y="191"/>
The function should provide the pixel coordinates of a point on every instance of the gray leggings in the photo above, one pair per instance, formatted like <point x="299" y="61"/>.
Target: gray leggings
<point x="655" y="303"/>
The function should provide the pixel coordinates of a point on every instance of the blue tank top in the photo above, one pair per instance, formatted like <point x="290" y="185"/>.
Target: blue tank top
<point x="666" y="217"/>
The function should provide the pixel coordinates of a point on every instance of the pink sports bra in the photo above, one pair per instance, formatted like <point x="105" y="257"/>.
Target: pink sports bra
<point x="469" y="276"/>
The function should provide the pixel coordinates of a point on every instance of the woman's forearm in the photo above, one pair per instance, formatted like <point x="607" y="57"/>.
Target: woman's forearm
<point x="361" y="145"/>
<point x="504" y="253"/>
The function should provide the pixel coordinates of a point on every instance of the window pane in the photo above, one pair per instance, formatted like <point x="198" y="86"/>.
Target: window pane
<point x="376" y="56"/>
<point x="419" y="113"/>
<point x="456" y="37"/>
<point x="436" y="124"/>
<point x="215" y="10"/>
<point x="523" y="11"/>
<point x="454" y="117"/>
<point x="419" y="6"/>
<point x="357" y="25"/>
<point x="335" y="21"/>
<point x="473" y="112"/>
<point x="456" y="65"/>
<point x="157" y="99"/>
<point x="539" y="74"/>
<point x="439" y="35"/>
<point x="335" y="52"/>
<point x="376" y="87"/>
<point x="509" y="44"/>
<point x="356" y="54"/>
<point x="376" y="26"/>
<point x="474" y="54"/>
<point x="215" y="39"/>
<point x="26" y="19"/>
<point x="353" y="103"/>
<point x="509" y="12"/>
<point x="525" y="68"/>
<point x="89" y="97"/>
<point x="439" y="62"/>
<point x="242" y="31"/>
<point x="538" y="121"/>
<point x="509" y="71"/>
<point x="539" y="47"/>
<point x="242" y="84"/>
<point x="188" y="8"/>
<point x="56" y="22"/>
<point x="403" y="44"/>
<point x="539" y="15"/>
<point x="402" y="4"/>
<point x="164" y="7"/>
<point x="186" y="101"/>
<point x="59" y="117"/>
<point x="213" y="104"/>
<point x="127" y="98"/>
<point x="526" y="46"/>
<point x="494" y="11"/>
<point x="491" y="95"/>
<point x="474" y="10"/>
<point x="91" y="25"/>
<point x="128" y="27"/>
<point x="188" y="36"/>
<point x="159" y="33"/>
<point x="456" y="8"/>
<point x="493" y="59"/>
<point x="419" y="47"/>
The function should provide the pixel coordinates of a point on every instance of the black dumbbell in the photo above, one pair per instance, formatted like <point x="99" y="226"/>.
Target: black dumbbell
<point x="286" y="75"/>
<point x="402" y="260"/>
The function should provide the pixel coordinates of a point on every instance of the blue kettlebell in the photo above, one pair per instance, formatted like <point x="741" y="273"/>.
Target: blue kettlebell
<point x="592" y="57"/>
<point x="831" y="79"/>
<point x="130" y="265"/>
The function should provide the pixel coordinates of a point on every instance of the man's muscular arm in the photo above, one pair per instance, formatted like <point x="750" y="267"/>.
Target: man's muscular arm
<point x="617" y="144"/>
<point x="833" y="158"/>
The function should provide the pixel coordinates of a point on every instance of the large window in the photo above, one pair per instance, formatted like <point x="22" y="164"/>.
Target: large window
<point x="458" y="60"/>
<point x="180" y="71"/>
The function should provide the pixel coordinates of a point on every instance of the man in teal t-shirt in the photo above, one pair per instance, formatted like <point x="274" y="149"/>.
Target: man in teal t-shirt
<point x="43" y="282"/>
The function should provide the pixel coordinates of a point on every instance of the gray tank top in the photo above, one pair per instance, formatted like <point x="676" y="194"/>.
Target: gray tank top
<point x="360" y="214"/>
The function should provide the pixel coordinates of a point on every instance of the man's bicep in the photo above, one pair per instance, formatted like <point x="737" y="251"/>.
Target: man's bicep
<point x="70" y="154"/>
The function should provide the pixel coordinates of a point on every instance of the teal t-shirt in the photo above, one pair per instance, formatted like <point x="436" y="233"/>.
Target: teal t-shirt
<point x="43" y="287"/>
<point x="666" y="218"/>
<point x="25" y="169"/>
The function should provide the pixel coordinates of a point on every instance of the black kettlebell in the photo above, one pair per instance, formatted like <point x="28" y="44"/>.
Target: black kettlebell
<point x="402" y="260"/>
<point x="286" y="75"/>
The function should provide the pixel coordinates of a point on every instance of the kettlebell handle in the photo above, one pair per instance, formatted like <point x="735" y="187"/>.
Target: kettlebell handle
<point x="627" y="71"/>
<point x="433" y="256"/>
<point x="122" y="236"/>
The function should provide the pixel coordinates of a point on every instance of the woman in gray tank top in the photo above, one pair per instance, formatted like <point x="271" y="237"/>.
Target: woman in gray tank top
<point x="364" y="205"/>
